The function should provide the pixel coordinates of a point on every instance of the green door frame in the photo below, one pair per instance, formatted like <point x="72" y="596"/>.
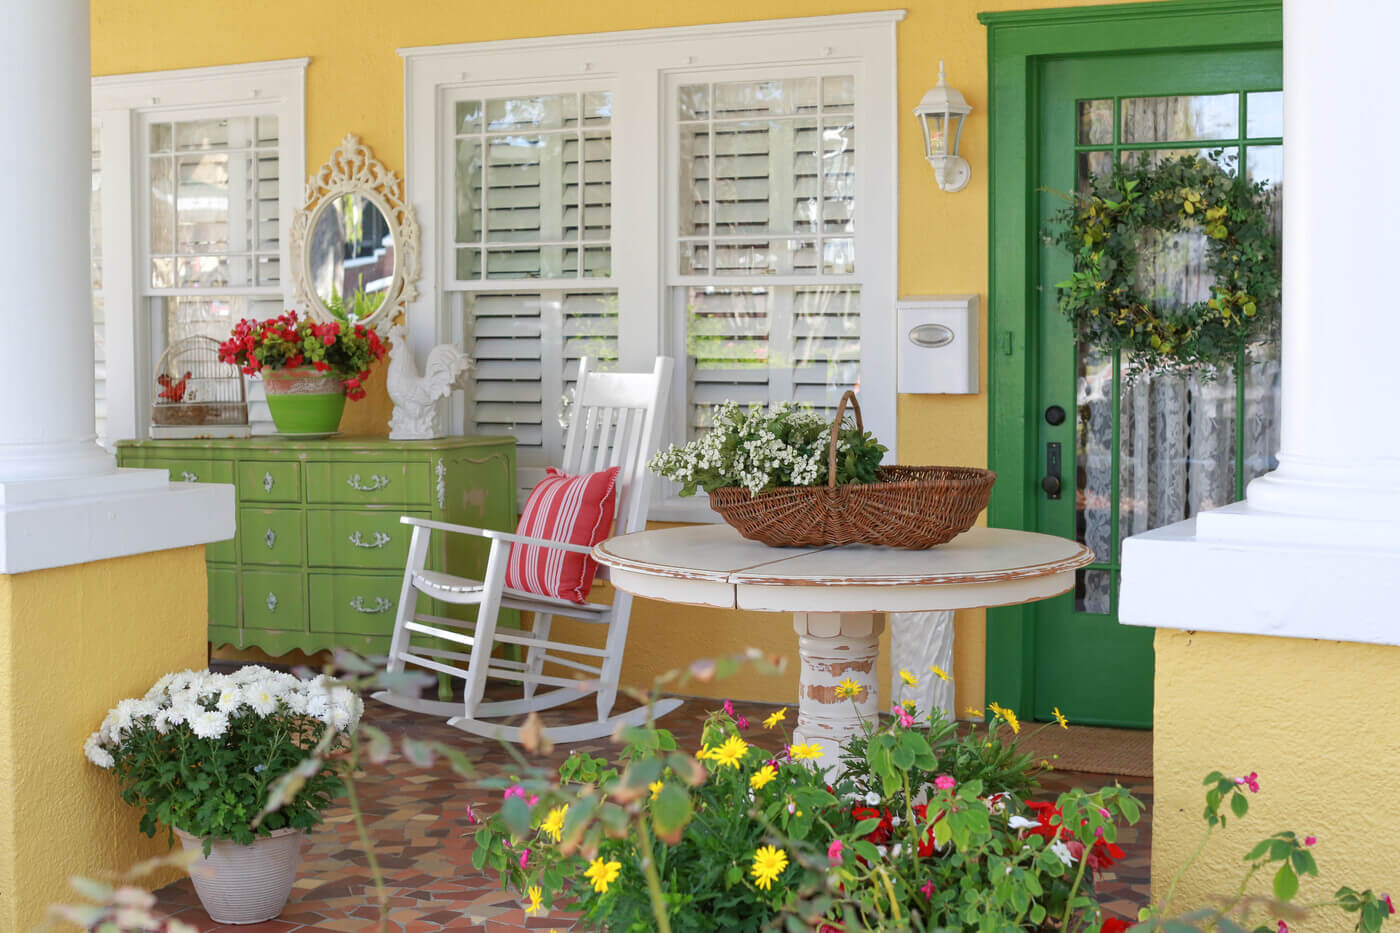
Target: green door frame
<point x="1016" y="42"/>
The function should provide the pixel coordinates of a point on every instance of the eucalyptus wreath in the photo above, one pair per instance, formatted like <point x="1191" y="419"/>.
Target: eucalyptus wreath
<point x="1106" y="230"/>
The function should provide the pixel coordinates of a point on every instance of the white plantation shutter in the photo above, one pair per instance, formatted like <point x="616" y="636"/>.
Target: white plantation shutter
<point x="533" y="227"/>
<point x="767" y="178"/>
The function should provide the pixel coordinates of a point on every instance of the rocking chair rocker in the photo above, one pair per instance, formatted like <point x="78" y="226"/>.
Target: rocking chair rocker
<point x="615" y="423"/>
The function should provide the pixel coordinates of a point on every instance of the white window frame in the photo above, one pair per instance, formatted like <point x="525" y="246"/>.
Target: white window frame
<point x="120" y="105"/>
<point x="638" y="67"/>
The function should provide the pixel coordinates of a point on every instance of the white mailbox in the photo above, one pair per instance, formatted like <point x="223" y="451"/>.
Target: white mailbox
<point x="937" y="344"/>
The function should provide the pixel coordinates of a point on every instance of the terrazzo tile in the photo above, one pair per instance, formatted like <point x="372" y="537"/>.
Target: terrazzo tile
<point x="417" y="820"/>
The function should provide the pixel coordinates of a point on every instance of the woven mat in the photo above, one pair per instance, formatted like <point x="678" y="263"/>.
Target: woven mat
<point x="1091" y="748"/>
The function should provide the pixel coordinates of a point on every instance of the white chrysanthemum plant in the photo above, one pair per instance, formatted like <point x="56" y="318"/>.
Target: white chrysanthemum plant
<point x="201" y="751"/>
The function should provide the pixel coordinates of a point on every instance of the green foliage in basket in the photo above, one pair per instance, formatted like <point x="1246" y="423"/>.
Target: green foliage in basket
<point x="762" y="450"/>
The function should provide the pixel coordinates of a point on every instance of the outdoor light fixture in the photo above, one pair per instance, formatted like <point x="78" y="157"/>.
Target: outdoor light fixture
<point x="941" y="106"/>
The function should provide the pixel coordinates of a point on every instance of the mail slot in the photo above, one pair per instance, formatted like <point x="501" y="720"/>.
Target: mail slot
<point x="937" y="344"/>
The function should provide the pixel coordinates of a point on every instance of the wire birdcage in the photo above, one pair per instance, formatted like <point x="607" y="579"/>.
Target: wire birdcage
<point x="198" y="395"/>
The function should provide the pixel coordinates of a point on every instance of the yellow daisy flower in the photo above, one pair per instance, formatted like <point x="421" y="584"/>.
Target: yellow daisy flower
<point x="731" y="752"/>
<point x="909" y="705"/>
<point x="602" y="874"/>
<point x="535" y="905"/>
<point x="1060" y="718"/>
<point x="974" y="712"/>
<point x="762" y="776"/>
<point x="553" y="825"/>
<point x="655" y="788"/>
<point x="774" y="719"/>
<point x="705" y="752"/>
<point x="806" y="752"/>
<point x="847" y="688"/>
<point x="908" y="678"/>
<point x="1008" y="716"/>
<point x="768" y="864"/>
<point x="940" y="673"/>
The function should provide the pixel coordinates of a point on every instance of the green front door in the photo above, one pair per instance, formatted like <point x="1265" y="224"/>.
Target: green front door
<point x="1135" y="455"/>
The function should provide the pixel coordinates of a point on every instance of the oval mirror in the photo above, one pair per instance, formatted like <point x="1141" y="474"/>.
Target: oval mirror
<point x="351" y="256"/>
<point x="354" y="245"/>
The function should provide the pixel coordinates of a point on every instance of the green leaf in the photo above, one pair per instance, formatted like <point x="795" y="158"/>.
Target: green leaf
<point x="670" y="812"/>
<point x="516" y="815"/>
<point x="1285" y="883"/>
<point x="1304" y="863"/>
<point x="1258" y="851"/>
<point x="1239" y="805"/>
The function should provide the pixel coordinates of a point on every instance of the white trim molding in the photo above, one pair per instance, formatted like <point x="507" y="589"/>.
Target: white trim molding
<point x="638" y="68"/>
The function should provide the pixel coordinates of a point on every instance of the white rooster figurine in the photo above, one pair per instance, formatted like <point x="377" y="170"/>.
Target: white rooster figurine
<point x="415" y="396"/>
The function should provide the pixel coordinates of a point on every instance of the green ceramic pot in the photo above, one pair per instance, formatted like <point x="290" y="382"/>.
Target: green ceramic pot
<point x="304" y="402"/>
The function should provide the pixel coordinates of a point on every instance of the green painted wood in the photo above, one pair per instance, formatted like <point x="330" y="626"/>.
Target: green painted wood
<point x="301" y="490"/>
<point x="1021" y="46"/>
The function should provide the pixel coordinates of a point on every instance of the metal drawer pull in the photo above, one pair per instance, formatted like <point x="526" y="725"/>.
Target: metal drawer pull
<point x="271" y="601"/>
<point x="188" y="477"/>
<point x="380" y="605"/>
<point x="270" y="538"/>
<point x="380" y="539"/>
<point x="268" y="481"/>
<point x="376" y="483"/>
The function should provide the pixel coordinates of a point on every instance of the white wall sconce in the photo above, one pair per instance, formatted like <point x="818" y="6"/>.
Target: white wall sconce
<point x="941" y="106"/>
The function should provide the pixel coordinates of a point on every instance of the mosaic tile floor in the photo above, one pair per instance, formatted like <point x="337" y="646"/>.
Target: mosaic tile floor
<point x="418" y="822"/>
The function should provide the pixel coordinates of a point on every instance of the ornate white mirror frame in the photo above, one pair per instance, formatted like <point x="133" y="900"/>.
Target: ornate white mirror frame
<point x="353" y="170"/>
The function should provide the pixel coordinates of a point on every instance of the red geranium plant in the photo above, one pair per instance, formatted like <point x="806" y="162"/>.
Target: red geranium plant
<point x="287" y="341"/>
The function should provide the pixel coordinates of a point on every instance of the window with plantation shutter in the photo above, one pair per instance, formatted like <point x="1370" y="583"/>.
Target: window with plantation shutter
<point x="200" y="174"/>
<point x="694" y="192"/>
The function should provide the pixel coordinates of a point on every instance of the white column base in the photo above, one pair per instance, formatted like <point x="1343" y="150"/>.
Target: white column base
<point x="835" y="646"/>
<point x="1265" y="584"/>
<point x="919" y="640"/>
<point x="56" y="522"/>
<point x="1312" y="501"/>
<point x="21" y="463"/>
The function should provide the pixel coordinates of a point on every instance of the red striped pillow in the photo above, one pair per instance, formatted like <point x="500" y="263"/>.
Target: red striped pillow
<point x="572" y="509"/>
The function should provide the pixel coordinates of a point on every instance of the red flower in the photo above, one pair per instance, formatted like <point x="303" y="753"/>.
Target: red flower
<point x="881" y="833"/>
<point x="1114" y="925"/>
<point x="321" y="366"/>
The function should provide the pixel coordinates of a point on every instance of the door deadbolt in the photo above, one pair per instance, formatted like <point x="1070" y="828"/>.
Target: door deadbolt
<point x="1054" y="415"/>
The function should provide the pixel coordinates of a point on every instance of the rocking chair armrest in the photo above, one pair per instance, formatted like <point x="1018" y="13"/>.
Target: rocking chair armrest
<point x="495" y="535"/>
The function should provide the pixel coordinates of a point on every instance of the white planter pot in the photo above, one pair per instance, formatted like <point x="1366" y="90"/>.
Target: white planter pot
<point x="245" y="883"/>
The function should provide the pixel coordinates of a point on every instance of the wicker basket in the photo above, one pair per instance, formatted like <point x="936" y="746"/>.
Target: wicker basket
<point x="908" y="507"/>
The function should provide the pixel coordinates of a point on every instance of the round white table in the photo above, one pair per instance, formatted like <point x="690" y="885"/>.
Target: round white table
<point x="836" y="596"/>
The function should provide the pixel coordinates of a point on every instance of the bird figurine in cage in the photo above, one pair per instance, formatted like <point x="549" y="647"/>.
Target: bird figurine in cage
<point x="197" y="394"/>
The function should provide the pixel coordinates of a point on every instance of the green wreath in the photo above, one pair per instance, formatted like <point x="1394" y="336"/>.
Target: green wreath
<point x="1104" y="231"/>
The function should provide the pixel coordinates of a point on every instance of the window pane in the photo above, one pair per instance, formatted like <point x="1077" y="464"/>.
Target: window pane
<point x="838" y="93"/>
<point x="596" y="171"/>
<point x="770" y="345"/>
<point x="761" y="169"/>
<point x="1265" y="163"/>
<point x="1095" y="122"/>
<point x="202" y="204"/>
<point x="468" y="189"/>
<point x="548" y="112"/>
<point x="1168" y="119"/>
<point x="162" y="205"/>
<point x="694" y="100"/>
<point x="468" y="116"/>
<point x="838" y="177"/>
<point x="694" y="213"/>
<point x="763" y="98"/>
<point x="1264" y="114"/>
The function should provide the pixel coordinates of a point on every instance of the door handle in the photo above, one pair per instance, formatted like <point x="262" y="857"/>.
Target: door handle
<point x="1051" y="482"/>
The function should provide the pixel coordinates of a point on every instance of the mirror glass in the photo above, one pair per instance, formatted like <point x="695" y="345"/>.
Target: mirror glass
<point x="351" y="256"/>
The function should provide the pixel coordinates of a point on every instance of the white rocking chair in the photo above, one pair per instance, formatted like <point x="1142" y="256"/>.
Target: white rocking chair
<point x="615" y="423"/>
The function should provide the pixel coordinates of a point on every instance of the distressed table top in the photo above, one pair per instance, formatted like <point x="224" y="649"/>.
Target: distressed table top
<point x="711" y="565"/>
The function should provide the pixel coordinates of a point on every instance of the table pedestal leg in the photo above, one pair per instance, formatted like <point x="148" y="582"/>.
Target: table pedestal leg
<point x="835" y="646"/>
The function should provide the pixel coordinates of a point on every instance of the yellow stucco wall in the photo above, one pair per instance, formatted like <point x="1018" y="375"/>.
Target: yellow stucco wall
<point x="355" y="84"/>
<point x="73" y="641"/>
<point x="1318" y="720"/>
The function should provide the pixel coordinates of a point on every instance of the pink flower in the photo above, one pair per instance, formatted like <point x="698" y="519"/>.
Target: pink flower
<point x="524" y="857"/>
<point x="1282" y="927"/>
<point x="1104" y="813"/>
<point x="1386" y="898"/>
<point x="833" y="852"/>
<point x="741" y="722"/>
<point x="533" y="799"/>
<point x="902" y="715"/>
<point x="1250" y="780"/>
<point x="471" y="815"/>
<point x="516" y="791"/>
<point x="926" y="889"/>
<point x="945" y="782"/>
<point x="1310" y="841"/>
<point x="729" y="709"/>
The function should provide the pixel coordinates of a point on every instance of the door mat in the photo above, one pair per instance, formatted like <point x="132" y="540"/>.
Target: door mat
<point x="1090" y="748"/>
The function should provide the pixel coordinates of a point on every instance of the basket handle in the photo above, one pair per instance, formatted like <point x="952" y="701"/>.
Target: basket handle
<point x="847" y="396"/>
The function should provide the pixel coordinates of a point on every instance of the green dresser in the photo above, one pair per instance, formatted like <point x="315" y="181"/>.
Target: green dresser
<point x="318" y="557"/>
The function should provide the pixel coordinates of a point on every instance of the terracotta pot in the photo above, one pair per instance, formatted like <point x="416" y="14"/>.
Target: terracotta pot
<point x="245" y="883"/>
<point x="305" y="402"/>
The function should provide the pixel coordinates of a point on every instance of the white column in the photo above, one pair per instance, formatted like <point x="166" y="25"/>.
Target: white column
<point x="62" y="499"/>
<point x="1341" y="324"/>
<point x="1314" y="550"/>
<point x="47" y="427"/>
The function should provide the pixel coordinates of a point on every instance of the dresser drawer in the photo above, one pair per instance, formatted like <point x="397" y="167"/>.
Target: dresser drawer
<point x="368" y="482"/>
<point x="273" y="599"/>
<point x="194" y="471"/>
<point x="271" y="536"/>
<point x="269" y="481"/>
<point x="357" y="604"/>
<point x="357" y="538"/>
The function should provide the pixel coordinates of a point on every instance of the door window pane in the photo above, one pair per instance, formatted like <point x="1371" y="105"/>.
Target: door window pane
<point x="1264" y="114"/>
<point x="1095" y="122"/>
<point x="1173" y="119"/>
<point x="1093" y="454"/>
